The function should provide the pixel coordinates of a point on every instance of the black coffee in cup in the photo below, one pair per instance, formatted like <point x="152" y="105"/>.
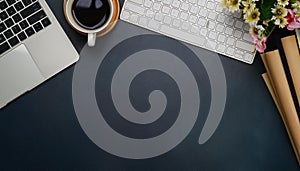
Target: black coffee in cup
<point x="91" y="14"/>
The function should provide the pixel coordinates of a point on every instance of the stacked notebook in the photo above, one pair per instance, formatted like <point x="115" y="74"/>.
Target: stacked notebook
<point x="280" y="89"/>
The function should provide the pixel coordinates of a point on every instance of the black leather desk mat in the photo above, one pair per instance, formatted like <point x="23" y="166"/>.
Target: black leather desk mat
<point x="41" y="131"/>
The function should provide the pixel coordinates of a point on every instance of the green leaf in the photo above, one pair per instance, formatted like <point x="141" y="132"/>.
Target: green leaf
<point x="265" y="9"/>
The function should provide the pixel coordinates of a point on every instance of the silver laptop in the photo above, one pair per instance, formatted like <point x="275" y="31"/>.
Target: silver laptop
<point x="33" y="47"/>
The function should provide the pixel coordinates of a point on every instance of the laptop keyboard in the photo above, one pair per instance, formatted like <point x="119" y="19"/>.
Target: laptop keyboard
<point x="20" y="19"/>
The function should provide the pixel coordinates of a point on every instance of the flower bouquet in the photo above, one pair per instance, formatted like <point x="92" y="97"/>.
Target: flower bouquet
<point x="264" y="15"/>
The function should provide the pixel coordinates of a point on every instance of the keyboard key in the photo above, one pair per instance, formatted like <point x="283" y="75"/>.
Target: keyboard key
<point x="22" y="36"/>
<point x="184" y="15"/>
<point x="237" y="34"/>
<point x="125" y="15"/>
<point x="212" y="35"/>
<point x="220" y="28"/>
<point x="2" y="38"/>
<point x="29" y="31"/>
<point x="167" y="20"/>
<point x="221" y="38"/>
<point x="248" y="57"/>
<point x="134" y="8"/>
<point x="140" y="2"/>
<point x="185" y="36"/>
<point x="176" y="23"/>
<point x="194" y="9"/>
<point x="210" y="5"/>
<point x="11" y="11"/>
<point x="228" y="30"/>
<point x="134" y="18"/>
<point x="202" y="22"/>
<point x="167" y="2"/>
<point x="8" y="34"/>
<point x="174" y="13"/>
<point x="143" y="21"/>
<point x="176" y="3"/>
<point x="245" y="46"/>
<point x="26" y="2"/>
<point x="17" y="18"/>
<point x="212" y="15"/>
<point x="211" y="45"/>
<point x="46" y="22"/>
<point x="158" y="17"/>
<point x="247" y="37"/>
<point x="36" y="17"/>
<point x="203" y="32"/>
<point x="16" y="29"/>
<point x="184" y="6"/>
<point x="4" y="47"/>
<point x="23" y="24"/>
<point x="19" y="6"/>
<point x="2" y="27"/>
<point x="153" y="25"/>
<point x="30" y="10"/>
<point x="221" y="48"/>
<point x="10" y="2"/>
<point x="148" y="3"/>
<point x="230" y="41"/>
<point x="230" y="51"/>
<point x="193" y="19"/>
<point x="202" y="2"/>
<point x="3" y="5"/>
<point x="9" y="22"/>
<point x="166" y="10"/>
<point x="156" y="6"/>
<point x="37" y="27"/>
<point x="13" y="41"/>
<point x="185" y="26"/>
<point x="3" y="15"/>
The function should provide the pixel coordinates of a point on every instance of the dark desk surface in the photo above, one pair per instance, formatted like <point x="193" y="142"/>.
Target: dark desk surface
<point x="40" y="130"/>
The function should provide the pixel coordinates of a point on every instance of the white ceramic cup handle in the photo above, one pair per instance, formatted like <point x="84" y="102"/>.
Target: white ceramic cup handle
<point x="91" y="39"/>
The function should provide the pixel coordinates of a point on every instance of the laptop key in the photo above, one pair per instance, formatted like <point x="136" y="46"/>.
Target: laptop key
<point x="9" y="22"/>
<point x="24" y="24"/>
<point x="30" y="10"/>
<point x="29" y="31"/>
<point x="19" y="6"/>
<point x="36" y="17"/>
<point x="10" y="2"/>
<point x="3" y="15"/>
<point x="13" y="41"/>
<point x="8" y="34"/>
<point x="4" y="47"/>
<point x="26" y="2"/>
<point x="2" y="27"/>
<point x="2" y="38"/>
<point x="17" y="18"/>
<point x="16" y="29"/>
<point x="37" y="27"/>
<point x="46" y="22"/>
<point x="22" y="36"/>
<point x="3" y="5"/>
<point x="11" y="11"/>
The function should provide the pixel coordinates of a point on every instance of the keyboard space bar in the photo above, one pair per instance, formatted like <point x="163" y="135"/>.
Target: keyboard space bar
<point x="195" y="40"/>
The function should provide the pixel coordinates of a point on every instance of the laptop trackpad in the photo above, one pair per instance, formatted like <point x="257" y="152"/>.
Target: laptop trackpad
<point x="18" y="74"/>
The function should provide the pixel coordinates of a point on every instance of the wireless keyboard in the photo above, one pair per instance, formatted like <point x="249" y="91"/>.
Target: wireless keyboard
<point x="203" y="23"/>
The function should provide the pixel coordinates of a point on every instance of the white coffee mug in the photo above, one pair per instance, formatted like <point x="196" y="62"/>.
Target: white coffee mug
<point x="92" y="34"/>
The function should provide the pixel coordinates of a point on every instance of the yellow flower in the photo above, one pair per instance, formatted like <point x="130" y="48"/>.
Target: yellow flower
<point x="224" y="3"/>
<point x="256" y="29"/>
<point x="281" y="22"/>
<point x="252" y="17"/>
<point x="279" y="12"/>
<point x="248" y="7"/>
<point x="283" y="2"/>
<point x="233" y="5"/>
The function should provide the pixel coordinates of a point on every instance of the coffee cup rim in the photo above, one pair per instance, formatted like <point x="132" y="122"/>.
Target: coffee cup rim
<point x="74" y="24"/>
